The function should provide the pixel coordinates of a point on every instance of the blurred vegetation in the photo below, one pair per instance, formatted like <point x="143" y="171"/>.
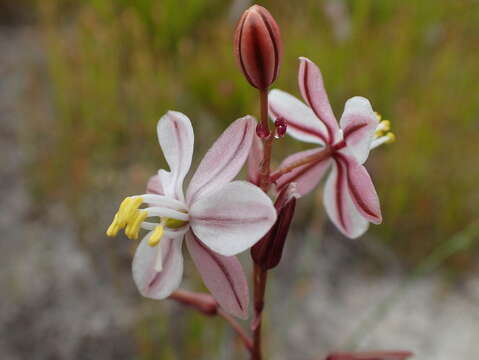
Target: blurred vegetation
<point x="116" y="66"/>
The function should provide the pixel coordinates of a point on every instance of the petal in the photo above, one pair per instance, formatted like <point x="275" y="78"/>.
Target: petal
<point x="224" y="159"/>
<point x="306" y="177"/>
<point x="359" y="123"/>
<point x="176" y="138"/>
<point x="312" y="89"/>
<point x="254" y="160"/>
<point x="302" y="123"/>
<point x="155" y="186"/>
<point x="338" y="203"/>
<point x="223" y="276"/>
<point x="151" y="283"/>
<point x="232" y="219"/>
<point x="163" y="183"/>
<point x="362" y="189"/>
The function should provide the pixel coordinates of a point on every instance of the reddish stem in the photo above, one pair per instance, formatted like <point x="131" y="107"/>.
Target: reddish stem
<point x="260" y="275"/>
<point x="259" y="278"/>
<point x="245" y="338"/>
<point x="264" y="181"/>
<point x="207" y="305"/>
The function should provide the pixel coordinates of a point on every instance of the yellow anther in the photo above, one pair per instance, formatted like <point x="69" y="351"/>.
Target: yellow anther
<point x="391" y="138"/>
<point x="174" y="223"/>
<point x="382" y="128"/>
<point x="133" y="228"/>
<point x="128" y="209"/>
<point x="132" y="207"/>
<point x="378" y="116"/>
<point x="114" y="227"/>
<point x="156" y="235"/>
<point x="127" y="215"/>
<point x="385" y="125"/>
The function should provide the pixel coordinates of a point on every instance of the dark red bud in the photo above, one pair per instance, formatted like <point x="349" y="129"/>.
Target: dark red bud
<point x="262" y="131"/>
<point x="281" y="127"/>
<point x="204" y="303"/>
<point x="268" y="251"/>
<point x="258" y="46"/>
<point x="373" y="355"/>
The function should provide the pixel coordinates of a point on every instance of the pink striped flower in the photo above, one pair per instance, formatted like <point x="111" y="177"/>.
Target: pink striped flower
<point x="350" y="198"/>
<point x="217" y="218"/>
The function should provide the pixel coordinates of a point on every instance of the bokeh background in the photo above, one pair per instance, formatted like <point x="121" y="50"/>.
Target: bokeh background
<point x="82" y="84"/>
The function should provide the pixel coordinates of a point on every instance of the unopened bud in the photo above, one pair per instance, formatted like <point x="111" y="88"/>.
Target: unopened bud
<point x="268" y="251"/>
<point x="373" y="355"/>
<point x="262" y="130"/>
<point x="258" y="46"/>
<point x="281" y="127"/>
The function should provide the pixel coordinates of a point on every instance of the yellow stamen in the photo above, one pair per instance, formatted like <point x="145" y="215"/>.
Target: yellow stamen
<point x="128" y="209"/>
<point x="156" y="235"/>
<point x="114" y="227"/>
<point x="386" y="125"/>
<point x="382" y="128"/>
<point x="133" y="228"/>
<point x="127" y="215"/>
<point x="378" y="116"/>
<point x="391" y="138"/>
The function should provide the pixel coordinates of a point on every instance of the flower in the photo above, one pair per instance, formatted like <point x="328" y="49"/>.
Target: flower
<point x="258" y="47"/>
<point x="350" y="198"/>
<point x="218" y="218"/>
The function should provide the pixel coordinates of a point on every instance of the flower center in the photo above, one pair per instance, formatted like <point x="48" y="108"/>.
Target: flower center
<point x="131" y="217"/>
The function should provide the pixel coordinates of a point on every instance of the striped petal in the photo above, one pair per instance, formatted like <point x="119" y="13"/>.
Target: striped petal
<point x="233" y="218"/>
<point x="302" y="123"/>
<point x="361" y="189"/>
<point x="176" y="138"/>
<point x="339" y="205"/>
<point x="223" y="276"/>
<point x="150" y="282"/>
<point x="306" y="177"/>
<point x="312" y="89"/>
<point x="224" y="159"/>
<point x="358" y="123"/>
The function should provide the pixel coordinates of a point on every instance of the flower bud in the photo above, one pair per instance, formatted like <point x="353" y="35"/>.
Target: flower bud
<point x="281" y="126"/>
<point x="262" y="131"/>
<point x="258" y="46"/>
<point x="268" y="251"/>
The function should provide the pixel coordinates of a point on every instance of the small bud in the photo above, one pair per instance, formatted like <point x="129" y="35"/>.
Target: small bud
<point x="268" y="251"/>
<point x="262" y="131"/>
<point x="281" y="127"/>
<point x="258" y="46"/>
<point x="373" y="355"/>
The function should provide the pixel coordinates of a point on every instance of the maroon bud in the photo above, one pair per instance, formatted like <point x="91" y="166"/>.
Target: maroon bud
<point x="373" y="355"/>
<point x="258" y="46"/>
<point x="268" y="251"/>
<point x="262" y="131"/>
<point x="281" y="126"/>
<point x="204" y="303"/>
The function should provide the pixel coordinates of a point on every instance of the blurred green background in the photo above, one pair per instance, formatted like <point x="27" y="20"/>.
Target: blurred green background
<point x="113" y="67"/>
